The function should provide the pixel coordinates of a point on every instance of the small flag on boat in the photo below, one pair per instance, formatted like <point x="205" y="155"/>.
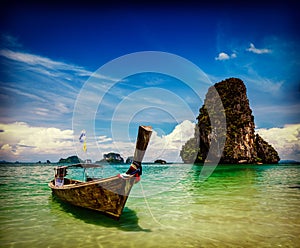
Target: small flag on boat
<point x="82" y="136"/>
<point x="84" y="146"/>
<point x="82" y="139"/>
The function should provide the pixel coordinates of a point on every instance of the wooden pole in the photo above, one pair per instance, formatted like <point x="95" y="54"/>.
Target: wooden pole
<point x="142" y="141"/>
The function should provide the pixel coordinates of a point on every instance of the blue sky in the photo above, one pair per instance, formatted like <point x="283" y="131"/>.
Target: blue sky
<point x="49" y="53"/>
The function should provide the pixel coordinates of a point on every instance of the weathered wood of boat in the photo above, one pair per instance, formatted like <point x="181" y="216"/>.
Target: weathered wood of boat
<point x="107" y="195"/>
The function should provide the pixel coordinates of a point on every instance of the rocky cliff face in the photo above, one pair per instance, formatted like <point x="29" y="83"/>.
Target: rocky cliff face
<point x="241" y="145"/>
<point x="265" y="152"/>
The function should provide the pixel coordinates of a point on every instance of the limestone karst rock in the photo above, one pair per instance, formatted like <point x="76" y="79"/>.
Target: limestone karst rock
<point x="227" y="102"/>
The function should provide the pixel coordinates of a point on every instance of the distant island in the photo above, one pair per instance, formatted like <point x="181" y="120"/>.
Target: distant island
<point x="71" y="159"/>
<point x="160" y="161"/>
<point x="112" y="158"/>
<point x="242" y="145"/>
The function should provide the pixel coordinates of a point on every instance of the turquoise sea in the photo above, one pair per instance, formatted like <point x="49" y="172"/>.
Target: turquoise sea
<point x="236" y="206"/>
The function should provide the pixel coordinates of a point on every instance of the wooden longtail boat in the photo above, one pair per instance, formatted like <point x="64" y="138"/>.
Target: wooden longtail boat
<point x="107" y="195"/>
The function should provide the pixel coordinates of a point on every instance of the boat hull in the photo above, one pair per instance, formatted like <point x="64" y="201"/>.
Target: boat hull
<point x="107" y="196"/>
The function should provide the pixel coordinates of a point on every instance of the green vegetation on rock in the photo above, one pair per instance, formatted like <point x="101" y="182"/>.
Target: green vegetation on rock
<point x="71" y="159"/>
<point x="241" y="144"/>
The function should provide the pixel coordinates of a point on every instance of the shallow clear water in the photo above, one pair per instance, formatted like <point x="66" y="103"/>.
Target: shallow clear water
<point x="237" y="206"/>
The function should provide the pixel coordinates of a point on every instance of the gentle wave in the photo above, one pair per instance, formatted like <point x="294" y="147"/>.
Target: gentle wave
<point x="237" y="206"/>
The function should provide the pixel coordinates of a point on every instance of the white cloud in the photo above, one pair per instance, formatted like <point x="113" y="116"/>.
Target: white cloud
<point x="225" y="56"/>
<point x="41" y="111"/>
<point x="233" y="55"/>
<point x="103" y="139"/>
<point x="165" y="147"/>
<point x="48" y="67"/>
<point x="41" y="85"/>
<point x="168" y="146"/>
<point x="285" y="140"/>
<point x="54" y="85"/>
<point x="20" y="92"/>
<point x="255" y="50"/>
<point x="222" y="56"/>
<point x="32" y="59"/>
<point x="261" y="83"/>
<point x="20" y="141"/>
<point x="265" y="84"/>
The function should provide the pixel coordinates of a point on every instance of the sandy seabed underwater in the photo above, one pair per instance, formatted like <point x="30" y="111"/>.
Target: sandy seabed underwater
<point x="236" y="206"/>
